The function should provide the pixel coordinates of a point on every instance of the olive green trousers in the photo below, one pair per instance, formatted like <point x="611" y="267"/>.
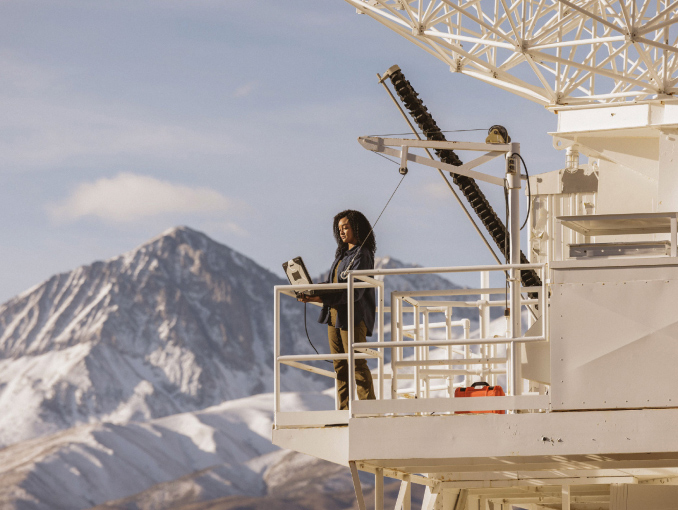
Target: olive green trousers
<point x="363" y="377"/>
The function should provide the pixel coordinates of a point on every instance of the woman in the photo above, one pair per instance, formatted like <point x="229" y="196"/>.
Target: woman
<point x="355" y="250"/>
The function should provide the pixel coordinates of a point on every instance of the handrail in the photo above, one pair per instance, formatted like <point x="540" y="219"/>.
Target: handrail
<point x="375" y="349"/>
<point x="514" y="353"/>
<point x="433" y="270"/>
<point x="444" y="343"/>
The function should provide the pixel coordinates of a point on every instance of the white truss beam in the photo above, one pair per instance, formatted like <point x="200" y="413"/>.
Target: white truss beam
<point x="553" y="52"/>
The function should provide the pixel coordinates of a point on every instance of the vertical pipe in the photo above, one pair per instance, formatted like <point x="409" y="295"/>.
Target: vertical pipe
<point x="351" y="354"/>
<point x="514" y="183"/>
<point x="380" y="338"/>
<point x="544" y="297"/>
<point x="467" y="355"/>
<point x="417" y="350"/>
<point x="674" y="234"/>
<point x="485" y="319"/>
<point x="427" y="380"/>
<point x="572" y="235"/>
<point x="394" y="350"/>
<point x="401" y="336"/>
<point x="450" y="352"/>
<point x="276" y="354"/>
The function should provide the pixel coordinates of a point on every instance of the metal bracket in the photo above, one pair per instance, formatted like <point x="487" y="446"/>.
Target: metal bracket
<point x="378" y="144"/>
<point x="404" y="150"/>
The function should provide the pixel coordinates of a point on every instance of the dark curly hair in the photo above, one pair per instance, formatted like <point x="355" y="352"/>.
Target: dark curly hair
<point x="362" y="230"/>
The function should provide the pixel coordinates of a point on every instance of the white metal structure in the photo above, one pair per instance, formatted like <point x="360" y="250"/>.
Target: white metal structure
<point x="596" y="428"/>
<point x="554" y="52"/>
<point x="592" y="401"/>
<point x="571" y="442"/>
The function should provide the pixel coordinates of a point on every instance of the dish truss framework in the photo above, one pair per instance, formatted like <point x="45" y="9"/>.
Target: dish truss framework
<point x="553" y="52"/>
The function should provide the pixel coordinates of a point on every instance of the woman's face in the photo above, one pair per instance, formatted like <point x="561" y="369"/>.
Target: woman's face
<point x="346" y="232"/>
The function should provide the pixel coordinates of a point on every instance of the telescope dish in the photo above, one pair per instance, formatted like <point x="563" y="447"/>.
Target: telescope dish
<point x="553" y="52"/>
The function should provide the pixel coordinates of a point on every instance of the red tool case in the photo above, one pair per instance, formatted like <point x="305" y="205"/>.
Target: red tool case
<point x="480" y="389"/>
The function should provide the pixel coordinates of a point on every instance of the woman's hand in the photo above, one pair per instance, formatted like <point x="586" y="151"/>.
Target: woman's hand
<point x="308" y="299"/>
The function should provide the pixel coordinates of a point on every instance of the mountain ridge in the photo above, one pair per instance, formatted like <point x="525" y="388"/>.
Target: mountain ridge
<point x="179" y="323"/>
<point x="120" y="359"/>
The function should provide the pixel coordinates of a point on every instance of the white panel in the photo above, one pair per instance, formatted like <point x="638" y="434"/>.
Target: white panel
<point x="329" y="443"/>
<point x="670" y="114"/>
<point x="592" y="119"/>
<point x="632" y="188"/>
<point x="547" y="183"/>
<point x="536" y="358"/>
<point x="617" y="270"/>
<point x="614" y="345"/>
<point x="581" y="440"/>
<point x="310" y="418"/>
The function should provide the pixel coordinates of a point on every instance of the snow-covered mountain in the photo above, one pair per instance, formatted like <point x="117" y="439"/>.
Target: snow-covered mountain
<point x="221" y="451"/>
<point x="179" y="324"/>
<point x="145" y="377"/>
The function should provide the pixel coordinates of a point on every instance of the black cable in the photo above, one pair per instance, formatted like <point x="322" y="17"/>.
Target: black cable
<point x="529" y="193"/>
<point x="344" y="273"/>
<point x="307" y="335"/>
<point x="309" y="338"/>
<point x="387" y="158"/>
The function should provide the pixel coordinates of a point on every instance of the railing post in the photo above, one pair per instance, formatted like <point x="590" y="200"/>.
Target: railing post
<point x="450" y="351"/>
<point x="380" y="337"/>
<point x="398" y="351"/>
<point x="276" y="354"/>
<point x="427" y="379"/>
<point x="351" y="354"/>
<point x="417" y="351"/>
<point x="484" y="316"/>
<point x="545" y="310"/>
<point x="394" y="337"/>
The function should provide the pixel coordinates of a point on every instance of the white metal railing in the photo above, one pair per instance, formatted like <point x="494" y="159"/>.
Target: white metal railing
<point x="423" y="368"/>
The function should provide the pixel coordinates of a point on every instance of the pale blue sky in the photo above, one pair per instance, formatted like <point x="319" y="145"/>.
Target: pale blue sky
<point x="121" y="119"/>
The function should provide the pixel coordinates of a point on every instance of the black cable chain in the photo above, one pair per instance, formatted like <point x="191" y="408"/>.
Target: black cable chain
<point x="467" y="185"/>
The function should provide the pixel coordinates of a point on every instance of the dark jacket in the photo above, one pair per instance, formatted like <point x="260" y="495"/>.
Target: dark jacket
<point x="364" y="298"/>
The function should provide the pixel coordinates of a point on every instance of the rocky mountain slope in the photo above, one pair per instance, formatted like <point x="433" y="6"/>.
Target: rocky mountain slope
<point x="141" y="382"/>
<point x="179" y="324"/>
<point x="221" y="451"/>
